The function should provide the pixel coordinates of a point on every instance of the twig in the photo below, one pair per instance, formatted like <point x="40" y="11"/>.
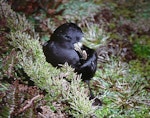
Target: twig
<point x="28" y="104"/>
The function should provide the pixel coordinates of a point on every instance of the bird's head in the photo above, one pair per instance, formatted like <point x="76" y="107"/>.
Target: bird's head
<point x="67" y="34"/>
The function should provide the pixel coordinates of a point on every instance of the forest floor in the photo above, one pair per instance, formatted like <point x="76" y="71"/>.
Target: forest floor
<point x="118" y="31"/>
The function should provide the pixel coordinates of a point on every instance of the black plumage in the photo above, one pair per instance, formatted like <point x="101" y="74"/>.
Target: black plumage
<point x="60" y="49"/>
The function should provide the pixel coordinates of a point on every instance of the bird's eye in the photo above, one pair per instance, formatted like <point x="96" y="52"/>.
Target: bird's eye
<point x="68" y="38"/>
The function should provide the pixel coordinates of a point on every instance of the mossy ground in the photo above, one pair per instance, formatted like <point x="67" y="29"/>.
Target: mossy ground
<point x="119" y="31"/>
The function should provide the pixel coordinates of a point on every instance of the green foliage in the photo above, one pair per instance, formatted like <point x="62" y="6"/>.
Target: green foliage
<point x="143" y="51"/>
<point x="82" y="104"/>
<point x="14" y="19"/>
<point x="46" y="77"/>
<point x="78" y="10"/>
<point x="143" y="9"/>
<point x="140" y="68"/>
<point x="31" y="58"/>
<point x="123" y="89"/>
<point x="3" y="87"/>
<point x="101" y="113"/>
<point x="141" y="46"/>
<point x="94" y="36"/>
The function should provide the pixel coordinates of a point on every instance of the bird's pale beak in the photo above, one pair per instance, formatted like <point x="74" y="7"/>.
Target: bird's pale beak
<point x="77" y="47"/>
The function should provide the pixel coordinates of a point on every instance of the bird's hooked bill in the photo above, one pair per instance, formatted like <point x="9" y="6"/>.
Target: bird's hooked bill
<point x="77" y="47"/>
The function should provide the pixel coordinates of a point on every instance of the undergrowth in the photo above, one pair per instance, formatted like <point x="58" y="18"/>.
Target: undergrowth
<point x="122" y="86"/>
<point x="123" y="90"/>
<point x="31" y="58"/>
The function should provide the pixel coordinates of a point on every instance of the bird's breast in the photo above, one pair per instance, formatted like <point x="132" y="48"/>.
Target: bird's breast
<point x="60" y="55"/>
